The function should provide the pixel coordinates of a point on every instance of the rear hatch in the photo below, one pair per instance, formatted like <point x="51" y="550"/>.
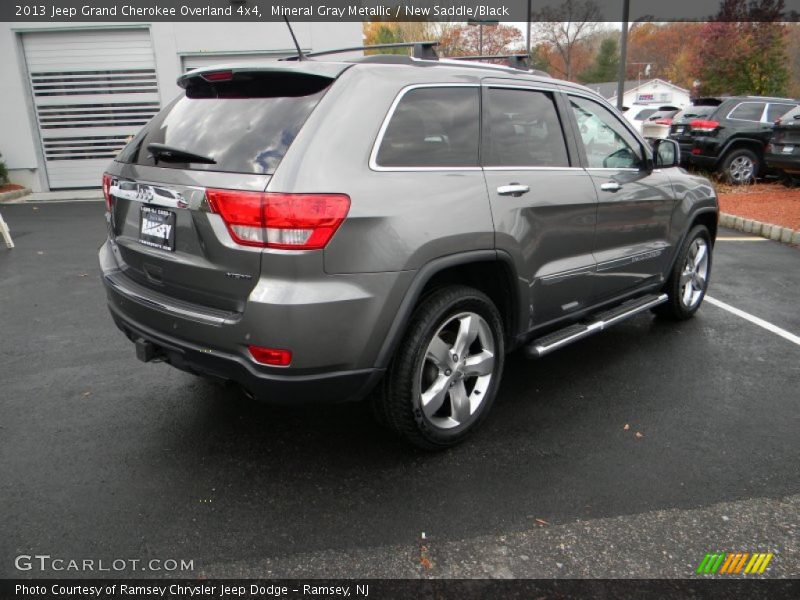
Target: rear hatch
<point x="679" y="129"/>
<point x="228" y="132"/>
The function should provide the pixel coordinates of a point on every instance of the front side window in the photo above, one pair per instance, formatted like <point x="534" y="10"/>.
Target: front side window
<point x="522" y="129"/>
<point x="748" y="111"/>
<point x="433" y="127"/>
<point x="608" y="144"/>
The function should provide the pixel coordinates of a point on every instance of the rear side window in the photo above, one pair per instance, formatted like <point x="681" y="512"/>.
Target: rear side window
<point x="243" y="126"/>
<point x="522" y="129"/>
<point x="748" y="111"/>
<point x="776" y="110"/>
<point x="433" y="127"/>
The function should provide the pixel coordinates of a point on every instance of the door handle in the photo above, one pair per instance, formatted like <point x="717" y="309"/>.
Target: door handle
<point x="513" y="189"/>
<point x="611" y="186"/>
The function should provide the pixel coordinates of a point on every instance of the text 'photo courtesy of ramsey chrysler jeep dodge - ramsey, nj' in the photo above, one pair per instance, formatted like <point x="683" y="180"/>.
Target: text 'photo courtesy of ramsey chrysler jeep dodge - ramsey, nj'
<point x="388" y="228"/>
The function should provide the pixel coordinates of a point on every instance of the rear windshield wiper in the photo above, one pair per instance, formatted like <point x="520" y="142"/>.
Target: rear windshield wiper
<point x="170" y="154"/>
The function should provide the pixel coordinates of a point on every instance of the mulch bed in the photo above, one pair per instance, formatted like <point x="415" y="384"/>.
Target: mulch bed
<point x="772" y="203"/>
<point x="10" y="187"/>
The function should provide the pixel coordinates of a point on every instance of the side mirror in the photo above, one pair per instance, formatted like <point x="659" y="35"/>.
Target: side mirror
<point x="666" y="153"/>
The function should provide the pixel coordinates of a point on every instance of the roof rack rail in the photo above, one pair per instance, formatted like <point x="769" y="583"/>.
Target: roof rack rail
<point x="423" y="50"/>
<point x="515" y="61"/>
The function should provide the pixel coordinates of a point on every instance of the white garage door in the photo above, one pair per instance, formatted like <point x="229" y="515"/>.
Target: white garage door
<point x="92" y="90"/>
<point x="198" y="61"/>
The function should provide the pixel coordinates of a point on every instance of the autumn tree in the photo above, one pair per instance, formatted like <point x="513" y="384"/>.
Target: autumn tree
<point x="391" y="32"/>
<point x="564" y="31"/>
<point x="744" y="50"/>
<point x="464" y="40"/>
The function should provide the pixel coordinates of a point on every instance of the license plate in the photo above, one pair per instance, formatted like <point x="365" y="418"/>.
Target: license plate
<point x="679" y="130"/>
<point x="157" y="228"/>
<point x="788" y="149"/>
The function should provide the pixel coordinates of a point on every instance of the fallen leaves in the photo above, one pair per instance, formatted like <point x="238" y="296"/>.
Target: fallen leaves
<point x="638" y="435"/>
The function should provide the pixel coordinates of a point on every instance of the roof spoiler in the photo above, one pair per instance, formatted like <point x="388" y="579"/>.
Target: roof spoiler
<point x="422" y="50"/>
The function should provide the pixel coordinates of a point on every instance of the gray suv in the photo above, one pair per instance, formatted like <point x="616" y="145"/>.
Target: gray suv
<point x="389" y="228"/>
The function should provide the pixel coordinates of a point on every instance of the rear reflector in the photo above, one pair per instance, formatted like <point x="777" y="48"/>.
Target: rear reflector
<point x="107" y="190"/>
<point x="271" y="356"/>
<point x="695" y="150"/>
<point x="701" y="125"/>
<point x="275" y="220"/>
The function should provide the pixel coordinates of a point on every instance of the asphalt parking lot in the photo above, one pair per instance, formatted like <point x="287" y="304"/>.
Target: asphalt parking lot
<point x="106" y="457"/>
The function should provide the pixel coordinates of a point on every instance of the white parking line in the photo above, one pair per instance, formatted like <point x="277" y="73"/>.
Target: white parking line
<point x="741" y="239"/>
<point x="755" y="320"/>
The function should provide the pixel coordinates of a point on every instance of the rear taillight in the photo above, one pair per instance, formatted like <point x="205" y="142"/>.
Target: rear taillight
<point x="107" y="191"/>
<point x="271" y="356"/>
<point x="702" y="125"/>
<point x="666" y="121"/>
<point x="276" y="220"/>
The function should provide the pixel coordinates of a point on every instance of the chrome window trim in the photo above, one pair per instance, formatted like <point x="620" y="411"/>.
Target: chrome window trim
<point x="373" y="157"/>
<point x="533" y="169"/>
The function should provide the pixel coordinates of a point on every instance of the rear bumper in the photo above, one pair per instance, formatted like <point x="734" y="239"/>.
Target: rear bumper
<point x="783" y="162"/>
<point x="332" y="387"/>
<point x="702" y="161"/>
<point x="328" y="365"/>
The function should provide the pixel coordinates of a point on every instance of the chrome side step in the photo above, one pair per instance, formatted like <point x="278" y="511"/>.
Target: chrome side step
<point x="558" y="339"/>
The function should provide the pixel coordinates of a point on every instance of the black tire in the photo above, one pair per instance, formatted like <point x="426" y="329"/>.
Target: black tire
<point x="731" y="169"/>
<point x="398" y="401"/>
<point x="675" y="307"/>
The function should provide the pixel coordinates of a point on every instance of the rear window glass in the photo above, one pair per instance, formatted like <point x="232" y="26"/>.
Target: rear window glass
<point x="643" y="114"/>
<point x="433" y="127"/>
<point x="748" y="111"/>
<point x="243" y="126"/>
<point x="694" y="112"/>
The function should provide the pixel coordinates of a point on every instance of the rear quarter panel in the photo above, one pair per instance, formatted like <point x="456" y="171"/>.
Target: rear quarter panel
<point x="398" y="220"/>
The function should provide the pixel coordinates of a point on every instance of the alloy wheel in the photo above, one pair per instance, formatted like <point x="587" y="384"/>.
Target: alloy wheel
<point x="694" y="276"/>
<point x="457" y="370"/>
<point x="741" y="169"/>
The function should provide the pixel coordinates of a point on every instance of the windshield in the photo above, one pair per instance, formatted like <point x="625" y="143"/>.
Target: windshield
<point x="244" y="130"/>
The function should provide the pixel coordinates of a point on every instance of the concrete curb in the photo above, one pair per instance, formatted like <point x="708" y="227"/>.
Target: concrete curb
<point x="14" y="194"/>
<point x="765" y="230"/>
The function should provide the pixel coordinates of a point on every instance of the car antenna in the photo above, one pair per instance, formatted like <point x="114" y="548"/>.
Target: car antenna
<point x="300" y="55"/>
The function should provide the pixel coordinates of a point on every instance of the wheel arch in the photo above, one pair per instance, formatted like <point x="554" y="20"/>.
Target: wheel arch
<point x="736" y="143"/>
<point x="489" y="271"/>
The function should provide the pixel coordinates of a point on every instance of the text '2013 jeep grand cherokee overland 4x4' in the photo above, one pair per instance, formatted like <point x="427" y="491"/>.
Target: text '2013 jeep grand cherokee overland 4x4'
<point x="389" y="228"/>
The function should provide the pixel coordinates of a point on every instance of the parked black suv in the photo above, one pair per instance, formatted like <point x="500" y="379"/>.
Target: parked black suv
<point x="732" y="138"/>
<point x="783" y="151"/>
<point x="679" y="129"/>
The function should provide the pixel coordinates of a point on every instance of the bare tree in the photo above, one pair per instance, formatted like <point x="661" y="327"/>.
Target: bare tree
<point x="565" y="28"/>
